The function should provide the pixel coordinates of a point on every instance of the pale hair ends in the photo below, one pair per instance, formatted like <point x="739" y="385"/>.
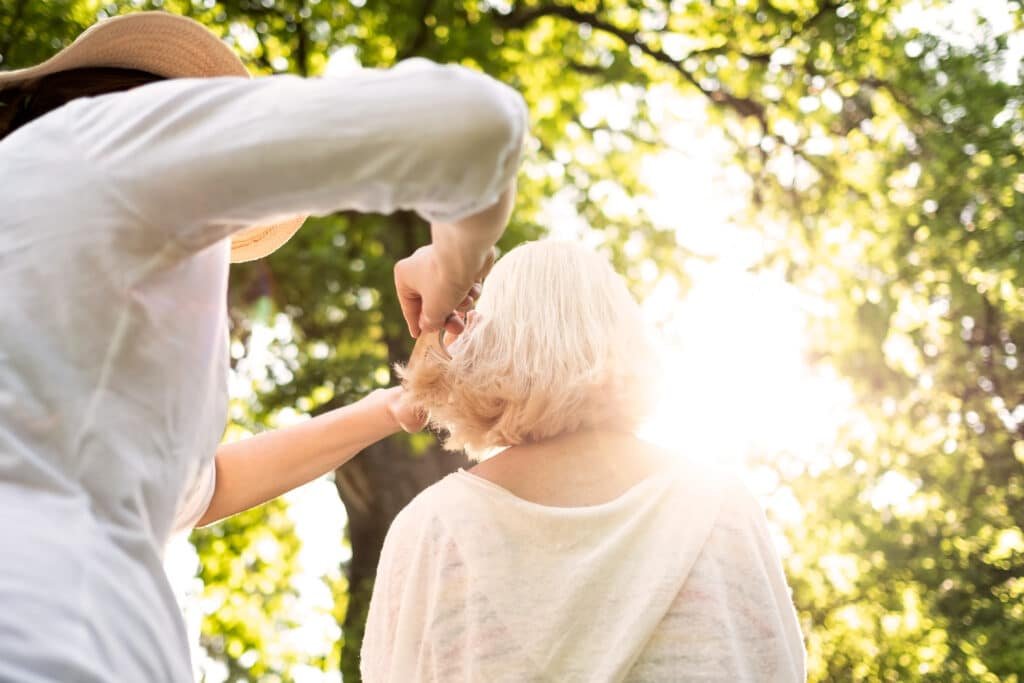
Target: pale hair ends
<point x="558" y="347"/>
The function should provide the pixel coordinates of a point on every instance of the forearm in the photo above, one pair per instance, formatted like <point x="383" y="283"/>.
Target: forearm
<point x="258" y="469"/>
<point x="439" y="140"/>
<point x="463" y="245"/>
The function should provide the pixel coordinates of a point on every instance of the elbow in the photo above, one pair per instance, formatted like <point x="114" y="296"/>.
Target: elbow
<point x="487" y="127"/>
<point x="498" y="126"/>
<point x="470" y="130"/>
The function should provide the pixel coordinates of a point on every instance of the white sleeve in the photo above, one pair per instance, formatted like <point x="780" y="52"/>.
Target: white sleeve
<point x="398" y="606"/>
<point x="765" y="571"/>
<point x="379" y="637"/>
<point x="197" y="500"/>
<point x="379" y="627"/>
<point x="200" y="158"/>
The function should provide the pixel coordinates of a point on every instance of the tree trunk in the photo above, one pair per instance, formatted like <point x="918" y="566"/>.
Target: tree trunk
<point x="374" y="487"/>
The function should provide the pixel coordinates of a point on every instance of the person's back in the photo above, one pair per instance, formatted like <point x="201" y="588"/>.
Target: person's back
<point x="579" y="552"/>
<point x="652" y="570"/>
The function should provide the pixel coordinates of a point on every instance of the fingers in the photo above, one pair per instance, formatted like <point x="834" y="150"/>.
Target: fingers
<point x="454" y="325"/>
<point x="412" y="308"/>
<point x="431" y="322"/>
<point x="409" y="299"/>
<point x="410" y="418"/>
<point x="492" y="255"/>
<point x="452" y="322"/>
<point x="470" y="300"/>
<point x="428" y="301"/>
<point x="413" y="420"/>
<point x="406" y="416"/>
<point x="436" y="309"/>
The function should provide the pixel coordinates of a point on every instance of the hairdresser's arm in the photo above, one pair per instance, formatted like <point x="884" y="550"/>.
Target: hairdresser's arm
<point x="463" y="245"/>
<point x="434" y="279"/>
<point x="255" y="470"/>
<point x="197" y="159"/>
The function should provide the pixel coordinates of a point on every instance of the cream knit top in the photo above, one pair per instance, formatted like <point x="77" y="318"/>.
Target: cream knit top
<point x="675" y="580"/>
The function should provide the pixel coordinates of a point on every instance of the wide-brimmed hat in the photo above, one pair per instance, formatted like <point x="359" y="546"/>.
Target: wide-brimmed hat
<point x="170" y="46"/>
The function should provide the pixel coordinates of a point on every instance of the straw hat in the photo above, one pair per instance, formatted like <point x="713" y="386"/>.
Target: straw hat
<point x="170" y="46"/>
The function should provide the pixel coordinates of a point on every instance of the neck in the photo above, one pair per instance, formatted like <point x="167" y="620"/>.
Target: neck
<point x="581" y="468"/>
<point x="584" y="438"/>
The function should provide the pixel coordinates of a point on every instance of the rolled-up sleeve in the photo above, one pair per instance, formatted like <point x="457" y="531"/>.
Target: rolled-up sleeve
<point x="200" y="158"/>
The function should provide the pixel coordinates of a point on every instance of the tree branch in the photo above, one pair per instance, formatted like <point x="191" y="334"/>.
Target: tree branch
<point x="742" y="106"/>
<point x="585" y="69"/>
<point x="423" y="32"/>
<point x="302" y="48"/>
<point x="765" y="56"/>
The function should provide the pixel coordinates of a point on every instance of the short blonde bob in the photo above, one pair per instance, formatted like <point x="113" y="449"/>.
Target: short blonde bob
<point x="558" y="345"/>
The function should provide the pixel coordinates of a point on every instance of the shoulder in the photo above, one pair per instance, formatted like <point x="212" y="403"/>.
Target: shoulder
<point x="421" y="519"/>
<point x="739" y="502"/>
<point x="419" y="545"/>
<point x="721" y="482"/>
<point x="31" y="154"/>
<point x="720" y="488"/>
<point x="741" y="535"/>
<point x="738" y="505"/>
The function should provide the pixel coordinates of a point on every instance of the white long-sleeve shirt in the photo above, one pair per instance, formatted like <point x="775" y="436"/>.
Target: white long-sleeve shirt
<point x="115" y="214"/>
<point x="675" y="581"/>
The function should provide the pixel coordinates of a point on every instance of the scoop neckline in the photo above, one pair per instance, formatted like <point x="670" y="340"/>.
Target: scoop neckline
<point x="643" y="484"/>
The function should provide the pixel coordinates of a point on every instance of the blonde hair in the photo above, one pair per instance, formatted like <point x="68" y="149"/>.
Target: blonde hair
<point x="558" y="346"/>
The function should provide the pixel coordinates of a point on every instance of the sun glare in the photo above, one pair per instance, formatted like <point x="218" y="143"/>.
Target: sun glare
<point x="737" y="380"/>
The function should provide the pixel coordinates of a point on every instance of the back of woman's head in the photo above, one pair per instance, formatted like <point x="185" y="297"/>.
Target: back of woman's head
<point x="26" y="102"/>
<point x="557" y="346"/>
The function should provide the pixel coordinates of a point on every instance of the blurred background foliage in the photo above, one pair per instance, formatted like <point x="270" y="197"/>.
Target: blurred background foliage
<point x="885" y="168"/>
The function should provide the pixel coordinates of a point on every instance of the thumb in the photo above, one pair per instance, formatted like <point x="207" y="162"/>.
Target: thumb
<point x="434" y="314"/>
<point x="428" y="323"/>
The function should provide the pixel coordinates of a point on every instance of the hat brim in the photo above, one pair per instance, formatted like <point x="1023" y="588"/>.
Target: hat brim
<point x="262" y="240"/>
<point x="170" y="46"/>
